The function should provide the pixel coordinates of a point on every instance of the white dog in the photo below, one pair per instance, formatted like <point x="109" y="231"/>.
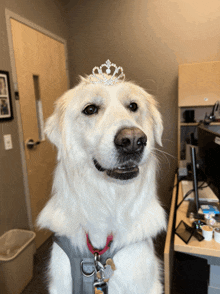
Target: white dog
<point x="104" y="182"/>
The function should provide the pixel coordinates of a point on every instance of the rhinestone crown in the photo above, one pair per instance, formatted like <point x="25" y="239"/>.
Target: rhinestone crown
<point x="100" y="77"/>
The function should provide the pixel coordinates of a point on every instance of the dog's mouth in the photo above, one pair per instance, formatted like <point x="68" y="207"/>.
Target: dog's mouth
<point x="123" y="172"/>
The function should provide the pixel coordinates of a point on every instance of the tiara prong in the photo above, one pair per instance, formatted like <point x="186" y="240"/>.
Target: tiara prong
<point x="100" y="77"/>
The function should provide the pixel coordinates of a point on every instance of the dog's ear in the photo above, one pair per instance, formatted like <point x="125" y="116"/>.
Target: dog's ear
<point x="52" y="128"/>
<point x="157" y="123"/>
<point x="55" y="128"/>
<point x="156" y="117"/>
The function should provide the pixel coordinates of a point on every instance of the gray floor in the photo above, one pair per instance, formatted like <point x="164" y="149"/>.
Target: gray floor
<point x="38" y="284"/>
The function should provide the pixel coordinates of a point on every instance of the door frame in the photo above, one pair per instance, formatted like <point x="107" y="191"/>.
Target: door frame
<point x="8" y="15"/>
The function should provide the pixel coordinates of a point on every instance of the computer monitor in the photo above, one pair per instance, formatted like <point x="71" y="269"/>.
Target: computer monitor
<point x="193" y="206"/>
<point x="209" y="157"/>
<point x="195" y="179"/>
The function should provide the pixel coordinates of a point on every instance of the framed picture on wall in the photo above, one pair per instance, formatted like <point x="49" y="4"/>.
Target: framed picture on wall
<point x="5" y="97"/>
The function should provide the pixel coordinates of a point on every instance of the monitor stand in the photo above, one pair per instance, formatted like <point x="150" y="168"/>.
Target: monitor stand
<point x="191" y="208"/>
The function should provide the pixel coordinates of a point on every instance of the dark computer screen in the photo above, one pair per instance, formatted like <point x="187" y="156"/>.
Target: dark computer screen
<point x="194" y="205"/>
<point x="209" y="155"/>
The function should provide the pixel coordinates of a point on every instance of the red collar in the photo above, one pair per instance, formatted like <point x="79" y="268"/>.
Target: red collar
<point x="99" y="251"/>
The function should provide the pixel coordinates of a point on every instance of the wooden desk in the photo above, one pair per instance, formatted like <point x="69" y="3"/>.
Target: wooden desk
<point x="209" y="250"/>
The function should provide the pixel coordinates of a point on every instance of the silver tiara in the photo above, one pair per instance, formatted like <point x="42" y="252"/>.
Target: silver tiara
<point x="100" y="77"/>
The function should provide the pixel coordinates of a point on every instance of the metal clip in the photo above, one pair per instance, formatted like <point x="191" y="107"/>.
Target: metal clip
<point x="98" y="265"/>
<point x="85" y="274"/>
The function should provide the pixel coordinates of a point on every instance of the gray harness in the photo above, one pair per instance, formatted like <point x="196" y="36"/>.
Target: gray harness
<point x="82" y="265"/>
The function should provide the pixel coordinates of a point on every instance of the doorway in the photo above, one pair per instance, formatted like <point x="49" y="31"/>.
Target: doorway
<point x="40" y="77"/>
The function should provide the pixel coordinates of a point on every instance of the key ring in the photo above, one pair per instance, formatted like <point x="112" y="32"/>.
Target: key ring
<point x="96" y="256"/>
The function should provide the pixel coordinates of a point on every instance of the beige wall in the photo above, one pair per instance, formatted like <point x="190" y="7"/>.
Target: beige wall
<point x="47" y="14"/>
<point x="148" y="38"/>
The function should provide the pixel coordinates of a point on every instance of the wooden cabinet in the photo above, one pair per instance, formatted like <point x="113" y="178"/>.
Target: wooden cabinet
<point x="198" y="90"/>
<point x="199" y="84"/>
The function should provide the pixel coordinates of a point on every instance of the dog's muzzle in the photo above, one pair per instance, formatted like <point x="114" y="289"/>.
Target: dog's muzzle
<point x="130" y="144"/>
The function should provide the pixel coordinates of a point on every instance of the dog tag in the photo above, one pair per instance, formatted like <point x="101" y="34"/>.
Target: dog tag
<point x="107" y="272"/>
<point x="110" y="262"/>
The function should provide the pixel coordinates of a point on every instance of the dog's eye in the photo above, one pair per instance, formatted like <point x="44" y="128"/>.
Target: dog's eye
<point x="133" y="106"/>
<point x="91" y="109"/>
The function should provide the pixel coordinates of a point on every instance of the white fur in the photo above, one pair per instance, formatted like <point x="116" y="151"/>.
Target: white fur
<point x="87" y="200"/>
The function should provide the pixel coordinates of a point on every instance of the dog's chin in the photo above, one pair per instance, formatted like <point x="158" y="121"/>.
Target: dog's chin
<point x="123" y="172"/>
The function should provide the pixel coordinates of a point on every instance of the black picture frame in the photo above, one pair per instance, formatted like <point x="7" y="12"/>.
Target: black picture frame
<point x="5" y="97"/>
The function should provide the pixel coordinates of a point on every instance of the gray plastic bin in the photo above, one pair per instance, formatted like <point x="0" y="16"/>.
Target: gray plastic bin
<point x="17" y="248"/>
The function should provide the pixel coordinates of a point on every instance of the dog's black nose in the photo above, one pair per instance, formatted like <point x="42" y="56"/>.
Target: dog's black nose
<point x="130" y="140"/>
